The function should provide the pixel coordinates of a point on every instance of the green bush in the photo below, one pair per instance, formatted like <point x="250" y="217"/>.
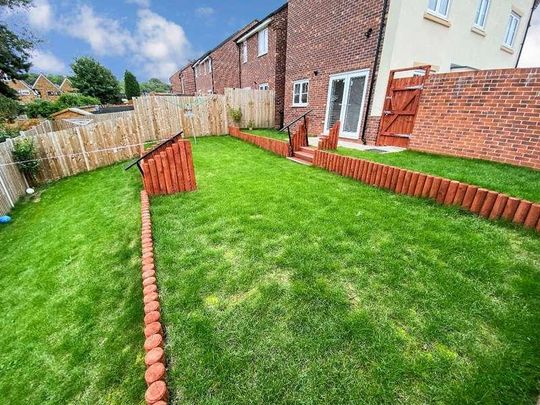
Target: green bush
<point x="24" y="153"/>
<point x="236" y="114"/>
<point x="43" y="108"/>
<point x="9" y="109"/>
<point x="6" y="133"/>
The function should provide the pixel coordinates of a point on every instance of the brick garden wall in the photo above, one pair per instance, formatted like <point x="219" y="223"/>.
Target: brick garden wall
<point x="490" y="114"/>
<point x="327" y="37"/>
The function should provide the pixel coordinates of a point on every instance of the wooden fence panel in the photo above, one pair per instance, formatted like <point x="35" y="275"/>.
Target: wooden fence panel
<point x="257" y="106"/>
<point x="12" y="183"/>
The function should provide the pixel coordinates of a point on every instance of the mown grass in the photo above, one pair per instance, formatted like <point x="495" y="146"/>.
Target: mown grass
<point x="268" y="133"/>
<point x="72" y="308"/>
<point x="286" y="284"/>
<point x="513" y="180"/>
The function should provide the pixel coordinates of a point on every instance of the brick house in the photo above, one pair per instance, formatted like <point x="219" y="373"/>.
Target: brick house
<point x="219" y="68"/>
<point x="25" y="92"/>
<point x="46" y="89"/>
<point x="183" y="81"/>
<point x="67" y="86"/>
<point x="336" y="50"/>
<point x="263" y="51"/>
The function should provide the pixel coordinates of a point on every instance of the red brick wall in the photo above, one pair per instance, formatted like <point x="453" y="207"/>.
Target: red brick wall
<point x="490" y="114"/>
<point x="269" y="68"/>
<point x="328" y="37"/>
<point x="183" y="81"/>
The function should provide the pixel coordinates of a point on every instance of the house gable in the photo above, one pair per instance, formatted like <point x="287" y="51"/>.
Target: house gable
<point x="47" y="90"/>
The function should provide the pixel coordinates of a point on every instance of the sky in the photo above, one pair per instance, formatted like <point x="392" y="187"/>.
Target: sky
<point x="151" y="38"/>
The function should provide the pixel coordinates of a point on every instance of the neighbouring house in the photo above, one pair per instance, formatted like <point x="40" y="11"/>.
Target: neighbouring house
<point x="25" y="92"/>
<point x="183" y="81"/>
<point x="67" y="86"/>
<point x="46" y="89"/>
<point x="263" y="51"/>
<point x="219" y="68"/>
<point x="339" y="52"/>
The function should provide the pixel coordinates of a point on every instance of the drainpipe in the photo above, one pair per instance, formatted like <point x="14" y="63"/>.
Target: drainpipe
<point x="212" y="72"/>
<point x="194" y="79"/>
<point x="535" y="4"/>
<point x="239" y="66"/>
<point x="373" y="73"/>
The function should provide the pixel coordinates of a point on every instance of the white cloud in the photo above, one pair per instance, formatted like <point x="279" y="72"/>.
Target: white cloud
<point x="530" y="56"/>
<point x="40" y="15"/>
<point x="46" y="62"/>
<point x="105" y="35"/>
<point x="205" y="11"/>
<point x="140" y="3"/>
<point x="162" y="45"/>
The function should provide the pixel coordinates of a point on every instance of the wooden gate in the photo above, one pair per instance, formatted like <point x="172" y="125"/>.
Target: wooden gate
<point x="400" y="107"/>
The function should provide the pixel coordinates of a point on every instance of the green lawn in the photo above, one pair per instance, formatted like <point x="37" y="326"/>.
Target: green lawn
<point x="71" y="293"/>
<point x="268" y="133"/>
<point x="513" y="180"/>
<point x="285" y="283"/>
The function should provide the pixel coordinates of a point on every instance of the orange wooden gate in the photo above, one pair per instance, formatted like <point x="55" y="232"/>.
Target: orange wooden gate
<point x="400" y="107"/>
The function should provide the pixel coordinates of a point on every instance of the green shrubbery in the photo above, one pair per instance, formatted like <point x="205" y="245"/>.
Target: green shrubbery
<point x="43" y="108"/>
<point x="25" y="154"/>
<point x="6" y="132"/>
<point x="9" y="109"/>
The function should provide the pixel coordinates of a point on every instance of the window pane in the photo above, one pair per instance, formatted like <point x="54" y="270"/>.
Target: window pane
<point x="432" y="5"/>
<point x="443" y="7"/>
<point x="297" y="88"/>
<point x="354" y="104"/>
<point x="296" y="99"/>
<point x="336" y="102"/>
<point x="304" y="98"/>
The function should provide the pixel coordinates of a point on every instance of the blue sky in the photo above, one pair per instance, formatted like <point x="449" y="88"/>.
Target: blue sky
<point x="150" y="37"/>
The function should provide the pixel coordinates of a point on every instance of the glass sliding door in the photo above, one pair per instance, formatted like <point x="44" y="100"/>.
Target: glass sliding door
<point x="346" y="94"/>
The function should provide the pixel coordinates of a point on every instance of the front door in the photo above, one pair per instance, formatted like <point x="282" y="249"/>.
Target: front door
<point x="346" y="94"/>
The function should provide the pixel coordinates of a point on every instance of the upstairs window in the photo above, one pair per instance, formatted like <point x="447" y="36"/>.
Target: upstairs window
<point x="209" y="65"/>
<point x="481" y="14"/>
<point x="263" y="42"/>
<point x="439" y="8"/>
<point x="244" y="52"/>
<point x="264" y="86"/>
<point x="300" y="93"/>
<point x="511" y="29"/>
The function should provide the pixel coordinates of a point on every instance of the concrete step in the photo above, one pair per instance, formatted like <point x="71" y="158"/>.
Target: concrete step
<point x="302" y="162"/>
<point x="304" y="156"/>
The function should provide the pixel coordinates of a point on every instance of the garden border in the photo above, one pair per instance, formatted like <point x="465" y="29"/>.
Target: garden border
<point x="480" y="201"/>
<point x="155" y="376"/>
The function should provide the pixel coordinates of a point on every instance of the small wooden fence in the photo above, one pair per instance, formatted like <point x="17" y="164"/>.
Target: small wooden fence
<point x="273" y="145"/>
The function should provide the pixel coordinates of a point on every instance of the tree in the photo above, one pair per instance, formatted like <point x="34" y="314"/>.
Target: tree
<point x="155" y="85"/>
<point x="14" y="50"/>
<point x="93" y="79"/>
<point x="131" y="85"/>
<point x="9" y="109"/>
<point x="44" y="108"/>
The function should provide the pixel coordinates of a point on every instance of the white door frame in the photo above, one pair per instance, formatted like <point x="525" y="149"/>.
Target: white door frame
<point x="347" y="76"/>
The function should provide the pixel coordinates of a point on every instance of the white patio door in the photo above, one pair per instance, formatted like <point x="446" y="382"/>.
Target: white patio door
<point x="346" y="95"/>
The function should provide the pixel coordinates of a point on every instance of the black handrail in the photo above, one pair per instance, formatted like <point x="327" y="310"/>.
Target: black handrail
<point x="136" y="162"/>
<point x="288" y="128"/>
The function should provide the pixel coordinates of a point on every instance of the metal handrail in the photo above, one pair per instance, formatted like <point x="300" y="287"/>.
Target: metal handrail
<point x="288" y="128"/>
<point x="136" y="162"/>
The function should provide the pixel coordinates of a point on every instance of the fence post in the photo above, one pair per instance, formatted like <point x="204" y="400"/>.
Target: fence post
<point x="83" y="150"/>
<point x="6" y="190"/>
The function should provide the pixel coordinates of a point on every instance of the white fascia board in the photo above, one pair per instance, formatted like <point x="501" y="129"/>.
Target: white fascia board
<point x="252" y="32"/>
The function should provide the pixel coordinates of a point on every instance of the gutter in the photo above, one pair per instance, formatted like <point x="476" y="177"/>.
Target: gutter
<point x="373" y="73"/>
<point x="535" y="4"/>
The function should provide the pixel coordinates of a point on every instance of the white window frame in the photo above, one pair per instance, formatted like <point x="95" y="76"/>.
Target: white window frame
<point x="436" y="8"/>
<point x="262" y="40"/>
<point x="264" y="86"/>
<point x="244" y="51"/>
<point x="513" y="17"/>
<point x="300" y="83"/>
<point x="209" y="65"/>
<point x="481" y="19"/>
<point x="24" y="92"/>
<point x="196" y="71"/>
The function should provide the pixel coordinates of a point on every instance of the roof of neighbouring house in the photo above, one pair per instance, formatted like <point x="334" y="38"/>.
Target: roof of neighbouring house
<point x="41" y="75"/>
<point x="74" y="110"/>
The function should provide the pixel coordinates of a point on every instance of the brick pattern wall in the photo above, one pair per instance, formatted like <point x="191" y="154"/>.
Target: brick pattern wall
<point x="203" y="80"/>
<point x="490" y="114"/>
<point x="183" y="81"/>
<point x="47" y="90"/>
<point x="328" y="37"/>
<point x="268" y="68"/>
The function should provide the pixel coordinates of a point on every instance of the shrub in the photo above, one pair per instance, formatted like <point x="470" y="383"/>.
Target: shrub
<point x="9" y="109"/>
<point x="236" y="114"/>
<point x="7" y="132"/>
<point x="41" y="108"/>
<point x="68" y="100"/>
<point x="131" y="85"/>
<point x="24" y="153"/>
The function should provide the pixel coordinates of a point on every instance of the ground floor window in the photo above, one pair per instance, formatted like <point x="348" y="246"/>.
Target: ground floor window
<point x="300" y="93"/>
